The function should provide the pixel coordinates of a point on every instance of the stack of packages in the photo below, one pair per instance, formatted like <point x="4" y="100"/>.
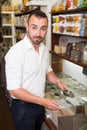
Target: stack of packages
<point x="68" y="4"/>
<point x="70" y="24"/>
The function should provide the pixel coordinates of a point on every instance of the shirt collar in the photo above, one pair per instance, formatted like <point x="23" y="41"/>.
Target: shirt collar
<point x="27" y="43"/>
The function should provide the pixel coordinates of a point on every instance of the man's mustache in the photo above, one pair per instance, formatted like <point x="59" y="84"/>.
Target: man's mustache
<point x="38" y="37"/>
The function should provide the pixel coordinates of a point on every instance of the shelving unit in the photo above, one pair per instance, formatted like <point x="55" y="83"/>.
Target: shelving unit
<point x="57" y="58"/>
<point x="68" y="58"/>
<point x="78" y="10"/>
<point x="8" y="28"/>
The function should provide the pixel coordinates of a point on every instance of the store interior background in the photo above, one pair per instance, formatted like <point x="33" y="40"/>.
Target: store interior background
<point x="69" y="68"/>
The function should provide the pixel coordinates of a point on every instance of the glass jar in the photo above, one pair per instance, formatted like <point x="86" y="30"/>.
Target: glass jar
<point x="76" y="55"/>
<point x="85" y="55"/>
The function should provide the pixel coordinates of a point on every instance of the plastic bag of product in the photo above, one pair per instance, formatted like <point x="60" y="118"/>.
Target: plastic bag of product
<point x="84" y="3"/>
<point x="72" y="4"/>
<point x="59" y="5"/>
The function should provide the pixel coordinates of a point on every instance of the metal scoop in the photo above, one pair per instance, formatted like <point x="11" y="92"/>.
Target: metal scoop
<point x="68" y="93"/>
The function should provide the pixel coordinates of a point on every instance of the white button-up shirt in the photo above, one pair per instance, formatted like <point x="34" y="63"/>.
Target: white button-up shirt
<point x="26" y="68"/>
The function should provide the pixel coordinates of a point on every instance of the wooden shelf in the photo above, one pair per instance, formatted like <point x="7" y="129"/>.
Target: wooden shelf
<point x="56" y="37"/>
<point x="79" y="10"/>
<point x="6" y="25"/>
<point x="63" y="56"/>
<point x="25" y="13"/>
<point x="7" y="36"/>
<point x="61" y="34"/>
<point x="20" y="26"/>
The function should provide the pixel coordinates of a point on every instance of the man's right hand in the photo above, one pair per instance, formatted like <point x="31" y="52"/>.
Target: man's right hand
<point x="50" y="104"/>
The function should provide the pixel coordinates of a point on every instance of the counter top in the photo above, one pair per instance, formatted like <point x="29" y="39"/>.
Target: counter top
<point x="79" y="90"/>
<point x="70" y="106"/>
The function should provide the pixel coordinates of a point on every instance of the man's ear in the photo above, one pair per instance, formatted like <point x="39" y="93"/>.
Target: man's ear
<point x="27" y="28"/>
<point x="26" y="25"/>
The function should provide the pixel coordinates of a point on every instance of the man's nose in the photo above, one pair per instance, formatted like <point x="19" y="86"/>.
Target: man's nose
<point x="39" y="32"/>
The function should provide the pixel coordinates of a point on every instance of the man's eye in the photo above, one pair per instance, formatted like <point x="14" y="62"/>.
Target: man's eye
<point x="43" y="28"/>
<point x="34" y="28"/>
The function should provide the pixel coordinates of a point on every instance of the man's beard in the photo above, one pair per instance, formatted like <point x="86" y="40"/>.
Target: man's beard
<point x="35" y="39"/>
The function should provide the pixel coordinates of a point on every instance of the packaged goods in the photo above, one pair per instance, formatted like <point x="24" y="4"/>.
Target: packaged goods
<point x="59" y="23"/>
<point x="59" y="5"/>
<point x="84" y="23"/>
<point x="70" y="24"/>
<point x="55" y="20"/>
<point x="57" y="49"/>
<point x="69" y="48"/>
<point x="73" y="4"/>
<point x="73" y="24"/>
<point x="83" y="30"/>
<point x="75" y="53"/>
<point x="77" y="4"/>
<point x="69" y="4"/>
<point x="84" y="3"/>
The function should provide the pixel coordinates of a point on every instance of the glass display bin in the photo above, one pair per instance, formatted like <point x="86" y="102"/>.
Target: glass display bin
<point x="73" y="115"/>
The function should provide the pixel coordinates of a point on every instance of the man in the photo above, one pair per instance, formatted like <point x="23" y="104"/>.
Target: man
<point x="27" y="68"/>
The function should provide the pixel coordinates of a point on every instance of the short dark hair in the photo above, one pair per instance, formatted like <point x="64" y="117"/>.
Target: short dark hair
<point x="37" y="13"/>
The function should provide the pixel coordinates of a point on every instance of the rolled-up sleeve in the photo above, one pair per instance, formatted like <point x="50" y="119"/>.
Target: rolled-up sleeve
<point x="13" y="68"/>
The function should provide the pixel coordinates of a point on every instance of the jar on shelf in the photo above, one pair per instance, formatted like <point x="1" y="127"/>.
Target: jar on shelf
<point x="85" y="55"/>
<point x="69" y="48"/>
<point x="75" y="53"/>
